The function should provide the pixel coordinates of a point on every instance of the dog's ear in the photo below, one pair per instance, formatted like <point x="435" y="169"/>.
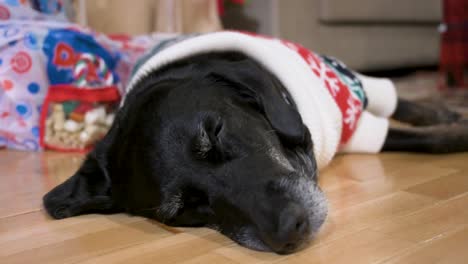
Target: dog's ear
<point x="282" y="114"/>
<point x="270" y="95"/>
<point x="103" y="176"/>
<point x="87" y="191"/>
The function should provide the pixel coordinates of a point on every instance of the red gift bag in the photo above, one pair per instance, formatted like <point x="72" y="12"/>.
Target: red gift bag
<point x="75" y="119"/>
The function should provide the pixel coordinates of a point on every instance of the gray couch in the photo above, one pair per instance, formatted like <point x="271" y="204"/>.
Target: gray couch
<point x="365" y="34"/>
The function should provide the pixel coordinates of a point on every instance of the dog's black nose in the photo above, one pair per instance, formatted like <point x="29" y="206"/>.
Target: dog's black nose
<point x="293" y="228"/>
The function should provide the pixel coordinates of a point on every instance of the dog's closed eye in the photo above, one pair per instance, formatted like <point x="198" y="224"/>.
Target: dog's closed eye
<point x="202" y="144"/>
<point x="207" y="144"/>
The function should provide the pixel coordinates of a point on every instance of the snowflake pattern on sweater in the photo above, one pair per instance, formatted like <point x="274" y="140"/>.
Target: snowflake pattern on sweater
<point x="342" y="84"/>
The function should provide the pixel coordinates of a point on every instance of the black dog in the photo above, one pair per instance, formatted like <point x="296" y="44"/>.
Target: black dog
<point x="215" y="140"/>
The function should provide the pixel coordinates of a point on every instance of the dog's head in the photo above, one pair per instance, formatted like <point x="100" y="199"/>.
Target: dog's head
<point x="212" y="141"/>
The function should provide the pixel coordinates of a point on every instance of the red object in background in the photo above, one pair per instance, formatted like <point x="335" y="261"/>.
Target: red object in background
<point x="454" y="48"/>
<point x="221" y="5"/>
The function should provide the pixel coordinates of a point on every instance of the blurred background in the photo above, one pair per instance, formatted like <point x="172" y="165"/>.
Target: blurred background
<point x="366" y="34"/>
<point x="422" y="44"/>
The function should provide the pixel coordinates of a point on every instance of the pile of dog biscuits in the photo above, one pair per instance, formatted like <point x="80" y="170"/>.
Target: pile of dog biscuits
<point x="77" y="125"/>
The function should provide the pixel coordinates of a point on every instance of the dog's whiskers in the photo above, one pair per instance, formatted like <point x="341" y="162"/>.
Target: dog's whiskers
<point x="148" y="209"/>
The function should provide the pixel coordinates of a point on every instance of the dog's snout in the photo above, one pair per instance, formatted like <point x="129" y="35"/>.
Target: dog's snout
<point x="293" y="227"/>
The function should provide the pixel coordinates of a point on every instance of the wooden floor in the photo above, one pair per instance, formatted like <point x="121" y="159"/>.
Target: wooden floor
<point x="389" y="208"/>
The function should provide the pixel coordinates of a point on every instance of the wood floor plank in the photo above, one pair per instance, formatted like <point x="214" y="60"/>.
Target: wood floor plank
<point x="27" y="176"/>
<point x="449" y="249"/>
<point x="384" y="184"/>
<point x="429" y="222"/>
<point x="371" y="213"/>
<point x="336" y="177"/>
<point x="444" y="187"/>
<point x="210" y="258"/>
<point x="49" y="234"/>
<point x="243" y="255"/>
<point x="395" y="207"/>
<point x="18" y="222"/>
<point x="173" y="249"/>
<point x="456" y="160"/>
<point x="365" y="246"/>
<point x="90" y="245"/>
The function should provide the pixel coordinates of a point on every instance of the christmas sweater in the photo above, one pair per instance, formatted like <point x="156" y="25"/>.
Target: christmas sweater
<point x="344" y="111"/>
